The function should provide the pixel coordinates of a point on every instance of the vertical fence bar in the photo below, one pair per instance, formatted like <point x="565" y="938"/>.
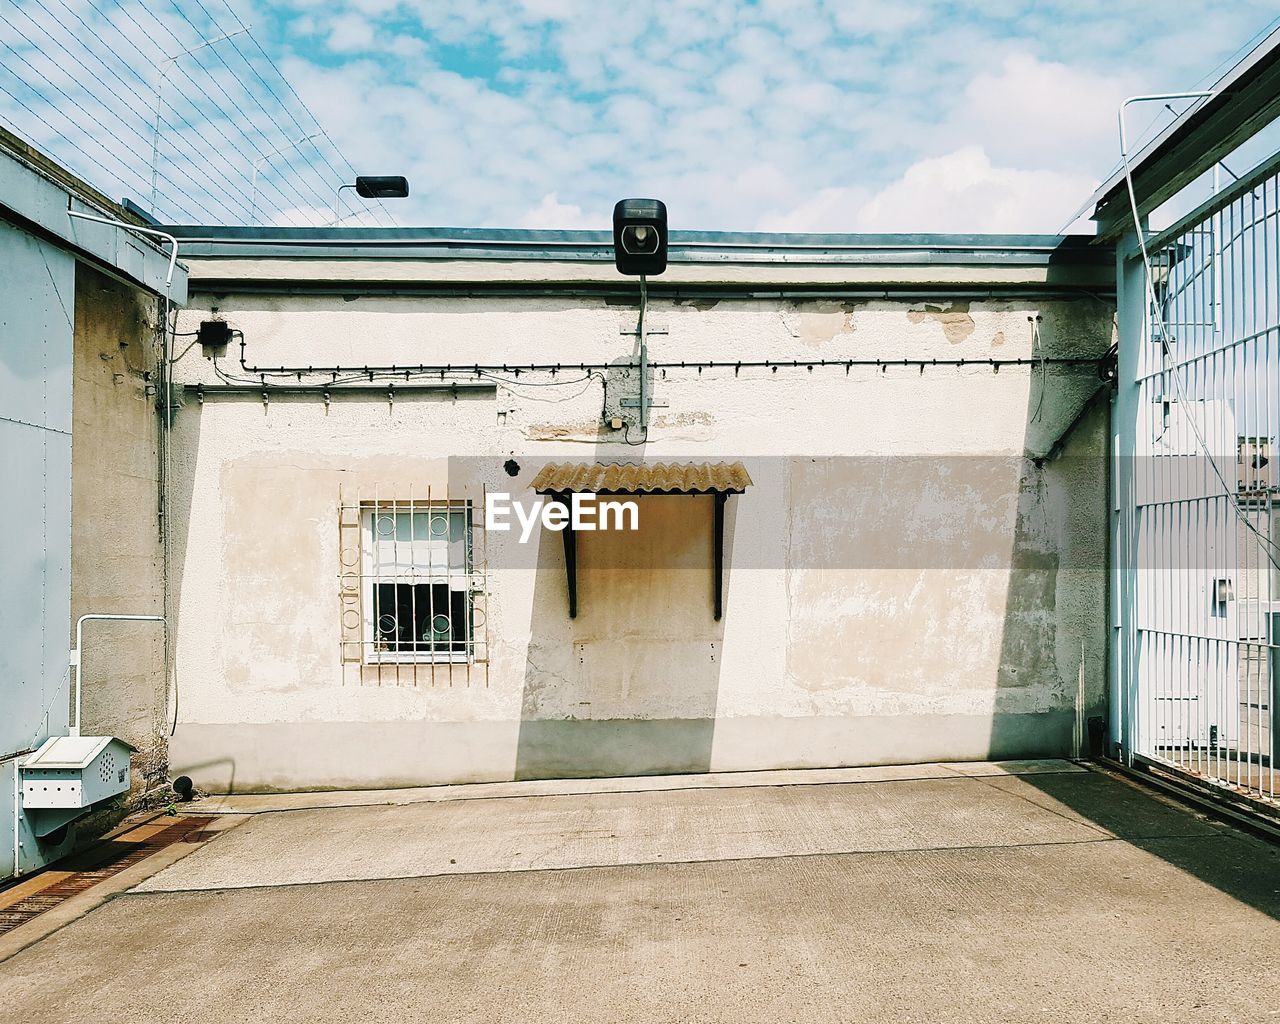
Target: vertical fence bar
<point x="1197" y="584"/>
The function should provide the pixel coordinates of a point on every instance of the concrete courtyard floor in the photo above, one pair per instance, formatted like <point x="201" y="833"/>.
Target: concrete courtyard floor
<point x="1037" y="892"/>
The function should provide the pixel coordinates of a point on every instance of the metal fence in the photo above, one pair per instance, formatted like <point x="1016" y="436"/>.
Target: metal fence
<point x="1197" y="501"/>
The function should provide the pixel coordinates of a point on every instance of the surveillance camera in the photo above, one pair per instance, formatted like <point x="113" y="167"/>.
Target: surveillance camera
<point x="640" y="236"/>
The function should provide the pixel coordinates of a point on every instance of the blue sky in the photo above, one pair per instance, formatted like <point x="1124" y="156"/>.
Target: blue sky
<point x="827" y="115"/>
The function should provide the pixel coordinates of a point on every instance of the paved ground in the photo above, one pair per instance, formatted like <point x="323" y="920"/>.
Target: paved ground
<point x="947" y="897"/>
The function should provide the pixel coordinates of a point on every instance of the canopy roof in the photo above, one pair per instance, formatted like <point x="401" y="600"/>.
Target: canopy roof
<point x="642" y="478"/>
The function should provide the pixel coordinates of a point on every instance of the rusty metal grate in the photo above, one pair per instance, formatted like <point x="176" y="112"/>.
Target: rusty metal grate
<point x="101" y="863"/>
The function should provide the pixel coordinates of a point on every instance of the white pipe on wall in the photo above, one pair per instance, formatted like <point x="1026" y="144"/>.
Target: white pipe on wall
<point x="76" y="654"/>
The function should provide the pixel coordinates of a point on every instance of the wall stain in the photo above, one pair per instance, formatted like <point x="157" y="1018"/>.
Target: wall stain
<point x="954" y="319"/>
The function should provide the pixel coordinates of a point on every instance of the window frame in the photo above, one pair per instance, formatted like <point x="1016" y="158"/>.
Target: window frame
<point x="372" y="576"/>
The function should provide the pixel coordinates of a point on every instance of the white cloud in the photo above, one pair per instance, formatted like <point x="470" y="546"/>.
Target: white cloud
<point x="817" y="115"/>
<point x="829" y="209"/>
<point x="1024" y="147"/>
<point x="349" y="33"/>
<point x="963" y="191"/>
<point x="553" y="214"/>
<point x="1045" y="114"/>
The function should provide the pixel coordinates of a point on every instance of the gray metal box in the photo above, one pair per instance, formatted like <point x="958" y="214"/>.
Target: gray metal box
<point x="71" y="772"/>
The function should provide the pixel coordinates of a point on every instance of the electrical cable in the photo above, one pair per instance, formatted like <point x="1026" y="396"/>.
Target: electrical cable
<point x="1037" y="346"/>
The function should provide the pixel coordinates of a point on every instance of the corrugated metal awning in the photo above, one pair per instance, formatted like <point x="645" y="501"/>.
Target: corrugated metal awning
<point x="642" y="478"/>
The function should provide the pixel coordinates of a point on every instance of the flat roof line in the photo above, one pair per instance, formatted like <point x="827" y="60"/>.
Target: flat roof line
<point x="685" y="247"/>
<point x="604" y="239"/>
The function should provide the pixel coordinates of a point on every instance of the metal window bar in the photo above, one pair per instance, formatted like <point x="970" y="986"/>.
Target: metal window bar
<point x="412" y="589"/>
<point x="1202" y="502"/>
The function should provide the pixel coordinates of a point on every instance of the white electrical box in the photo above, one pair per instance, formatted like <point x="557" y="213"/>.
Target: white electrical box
<point x="75" y="772"/>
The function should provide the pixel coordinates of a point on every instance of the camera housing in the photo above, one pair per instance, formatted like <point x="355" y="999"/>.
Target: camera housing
<point x="640" y="237"/>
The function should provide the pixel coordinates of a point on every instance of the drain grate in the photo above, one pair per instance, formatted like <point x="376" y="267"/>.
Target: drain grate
<point x="101" y="863"/>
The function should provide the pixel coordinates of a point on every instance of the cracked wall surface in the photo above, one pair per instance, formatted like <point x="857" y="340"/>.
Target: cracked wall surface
<point x="907" y="579"/>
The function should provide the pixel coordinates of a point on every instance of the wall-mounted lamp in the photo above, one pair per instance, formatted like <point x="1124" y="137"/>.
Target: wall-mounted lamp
<point x="640" y="249"/>
<point x="640" y="236"/>
<point x="373" y="186"/>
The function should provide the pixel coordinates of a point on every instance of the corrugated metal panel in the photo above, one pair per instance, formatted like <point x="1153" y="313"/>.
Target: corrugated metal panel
<point x="36" y="318"/>
<point x="35" y="464"/>
<point x="639" y="478"/>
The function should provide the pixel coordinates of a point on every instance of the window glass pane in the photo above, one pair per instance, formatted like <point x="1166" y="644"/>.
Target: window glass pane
<point x="421" y="618"/>
<point x="421" y="560"/>
<point x="458" y="553"/>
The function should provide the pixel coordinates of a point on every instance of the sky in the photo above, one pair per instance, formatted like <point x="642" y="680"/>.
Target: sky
<point x="786" y="115"/>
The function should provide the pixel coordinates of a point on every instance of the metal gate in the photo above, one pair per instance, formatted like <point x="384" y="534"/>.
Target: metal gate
<point x="1196" y="588"/>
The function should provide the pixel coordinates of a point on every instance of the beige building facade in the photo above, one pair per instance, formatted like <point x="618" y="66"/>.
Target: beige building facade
<point x="915" y="572"/>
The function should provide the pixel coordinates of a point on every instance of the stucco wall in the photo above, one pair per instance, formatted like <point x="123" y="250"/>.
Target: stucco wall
<point x="903" y="582"/>
<point x="116" y="554"/>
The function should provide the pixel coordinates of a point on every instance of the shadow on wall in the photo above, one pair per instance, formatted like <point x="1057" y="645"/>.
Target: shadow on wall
<point x="116" y="563"/>
<point x="1054" y="637"/>
<point x="630" y="686"/>
<point x="188" y="419"/>
<point x="1051" y="677"/>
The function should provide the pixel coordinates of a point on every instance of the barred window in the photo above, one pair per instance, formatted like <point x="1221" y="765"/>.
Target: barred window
<point x="418" y="573"/>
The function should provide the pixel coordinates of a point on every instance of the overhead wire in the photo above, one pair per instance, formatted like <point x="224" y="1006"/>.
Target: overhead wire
<point x="380" y="205"/>
<point x="113" y="155"/>
<point x="180" y="66"/>
<point x="216" y="196"/>
<point x="284" y="154"/>
<point x="147" y="113"/>
<point x="70" y="142"/>
<point x="304" y="130"/>
<point x="84" y="110"/>
<point x="214" y="185"/>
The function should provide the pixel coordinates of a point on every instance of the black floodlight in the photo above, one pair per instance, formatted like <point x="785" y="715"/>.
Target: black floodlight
<point x="382" y="186"/>
<point x="640" y="236"/>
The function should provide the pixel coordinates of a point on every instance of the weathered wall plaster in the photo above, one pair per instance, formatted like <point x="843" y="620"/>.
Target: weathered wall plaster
<point x="904" y="582"/>
<point x="116" y="553"/>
